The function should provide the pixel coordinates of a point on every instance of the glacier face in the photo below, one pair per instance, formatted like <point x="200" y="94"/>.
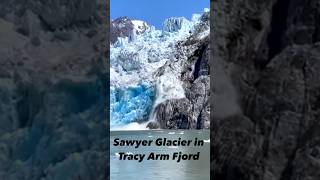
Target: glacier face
<point x="131" y="104"/>
<point x="177" y="24"/>
<point x="138" y="80"/>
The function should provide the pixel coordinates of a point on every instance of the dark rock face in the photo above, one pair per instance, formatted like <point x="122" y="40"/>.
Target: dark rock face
<point x="193" y="111"/>
<point x="266" y="71"/>
<point x="124" y="27"/>
<point x="153" y="125"/>
<point x="120" y="27"/>
<point x="174" y="114"/>
<point x="53" y="84"/>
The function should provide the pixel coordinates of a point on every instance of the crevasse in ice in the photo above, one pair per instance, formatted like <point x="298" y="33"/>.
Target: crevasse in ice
<point x="134" y="62"/>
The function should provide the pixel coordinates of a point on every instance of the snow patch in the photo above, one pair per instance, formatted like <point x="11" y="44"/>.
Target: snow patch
<point x="139" y="26"/>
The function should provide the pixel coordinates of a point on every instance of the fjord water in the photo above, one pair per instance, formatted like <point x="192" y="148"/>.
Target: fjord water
<point x="160" y="169"/>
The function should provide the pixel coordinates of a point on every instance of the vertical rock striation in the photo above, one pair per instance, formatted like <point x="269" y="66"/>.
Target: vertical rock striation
<point x="265" y="119"/>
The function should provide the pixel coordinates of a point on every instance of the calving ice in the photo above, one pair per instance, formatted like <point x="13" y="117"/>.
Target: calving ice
<point x="151" y="66"/>
<point x="176" y="156"/>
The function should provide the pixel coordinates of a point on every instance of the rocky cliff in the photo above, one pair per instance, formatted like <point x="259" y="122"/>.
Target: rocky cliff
<point x="193" y="110"/>
<point x="53" y="90"/>
<point x="124" y="27"/>
<point x="265" y="121"/>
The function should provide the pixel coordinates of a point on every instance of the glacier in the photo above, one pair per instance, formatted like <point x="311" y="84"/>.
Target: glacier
<point x="138" y="81"/>
<point x="132" y="104"/>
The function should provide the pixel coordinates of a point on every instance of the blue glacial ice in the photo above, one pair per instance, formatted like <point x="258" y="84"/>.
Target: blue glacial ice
<point x="132" y="104"/>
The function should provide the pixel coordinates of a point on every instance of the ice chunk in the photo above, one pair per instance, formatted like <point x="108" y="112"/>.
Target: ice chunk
<point x="176" y="24"/>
